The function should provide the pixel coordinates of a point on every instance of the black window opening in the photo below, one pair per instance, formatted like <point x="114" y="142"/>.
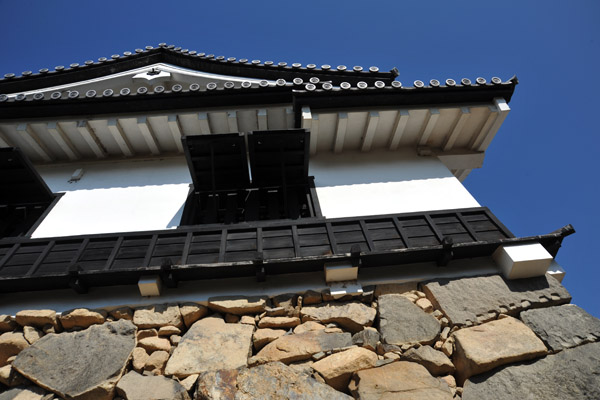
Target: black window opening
<point x="261" y="175"/>
<point x="25" y="199"/>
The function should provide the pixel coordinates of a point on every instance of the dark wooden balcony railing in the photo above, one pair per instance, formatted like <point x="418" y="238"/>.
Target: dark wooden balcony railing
<point x="257" y="249"/>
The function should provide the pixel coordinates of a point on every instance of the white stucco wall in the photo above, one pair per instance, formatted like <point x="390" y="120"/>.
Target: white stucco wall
<point x="138" y="195"/>
<point x="116" y="197"/>
<point x="384" y="182"/>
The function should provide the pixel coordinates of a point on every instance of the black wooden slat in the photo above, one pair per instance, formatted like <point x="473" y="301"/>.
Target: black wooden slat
<point x="365" y="232"/>
<point x="40" y="259"/>
<point x="79" y="253"/>
<point x="467" y="226"/>
<point x="313" y="240"/>
<point x="113" y="254"/>
<point x="401" y="232"/>
<point x="349" y="237"/>
<point x="186" y="248"/>
<point x="431" y="224"/>
<point x="243" y="244"/>
<point x="259" y="240"/>
<point x="205" y="247"/>
<point x="278" y="242"/>
<point x="9" y="254"/>
<point x="223" y="245"/>
<point x="150" y="250"/>
<point x="295" y="240"/>
<point x="330" y="234"/>
<point x="382" y="234"/>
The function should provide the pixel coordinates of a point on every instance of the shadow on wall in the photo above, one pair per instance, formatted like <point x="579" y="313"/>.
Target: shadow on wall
<point x="174" y="223"/>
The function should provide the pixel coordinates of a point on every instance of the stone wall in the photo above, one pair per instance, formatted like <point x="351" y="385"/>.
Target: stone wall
<point x="470" y="338"/>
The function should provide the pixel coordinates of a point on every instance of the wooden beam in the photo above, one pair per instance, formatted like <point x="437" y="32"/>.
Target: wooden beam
<point x="62" y="140"/>
<point x="91" y="139"/>
<point x="462" y="174"/>
<point x="399" y="128"/>
<point x="463" y="116"/>
<point x="263" y="123"/>
<point x="433" y="114"/>
<point x="26" y="132"/>
<point x="314" y="134"/>
<point x="370" y="128"/>
<point x="148" y="134"/>
<point x="175" y="129"/>
<point x="117" y="133"/>
<point x="485" y="137"/>
<point x="289" y="117"/>
<point x="204" y="123"/>
<point x="232" y="121"/>
<point x="4" y="141"/>
<point x="306" y="118"/>
<point x="340" y="132"/>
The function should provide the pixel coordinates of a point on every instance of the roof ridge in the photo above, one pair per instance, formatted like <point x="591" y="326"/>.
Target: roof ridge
<point x="210" y="58"/>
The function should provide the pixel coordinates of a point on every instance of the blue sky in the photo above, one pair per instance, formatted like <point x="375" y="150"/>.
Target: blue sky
<point x="541" y="170"/>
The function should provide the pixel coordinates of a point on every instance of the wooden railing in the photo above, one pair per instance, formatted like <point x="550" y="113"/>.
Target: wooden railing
<point x="247" y="249"/>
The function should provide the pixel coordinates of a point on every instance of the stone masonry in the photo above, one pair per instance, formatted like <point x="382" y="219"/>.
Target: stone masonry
<point x="472" y="338"/>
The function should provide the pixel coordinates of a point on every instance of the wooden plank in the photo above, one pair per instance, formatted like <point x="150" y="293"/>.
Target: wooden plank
<point x="370" y="128"/>
<point x="467" y="226"/>
<point x="313" y="240"/>
<point x="150" y="251"/>
<point x="366" y="234"/>
<point x="176" y="131"/>
<point x="399" y="128"/>
<point x="295" y="240"/>
<point x="87" y="133"/>
<point x="340" y="132"/>
<point x="223" y="245"/>
<point x="261" y="116"/>
<point x="63" y="141"/>
<point x="459" y="125"/>
<point x="113" y="254"/>
<point x="115" y="129"/>
<point x="401" y="231"/>
<point x="204" y="123"/>
<point x="40" y="259"/>
<point x="25" y="131"/>
<point x="148" y="134"/>
<point x="433" y="114"/>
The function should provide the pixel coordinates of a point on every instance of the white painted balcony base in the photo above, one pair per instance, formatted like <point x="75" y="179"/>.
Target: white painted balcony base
<point x="522" y="260"/>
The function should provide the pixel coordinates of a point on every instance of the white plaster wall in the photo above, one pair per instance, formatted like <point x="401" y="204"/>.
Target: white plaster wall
<point x="116" y="197"/>
<point x="384" y="182"/>
<point x="139" y="195"/>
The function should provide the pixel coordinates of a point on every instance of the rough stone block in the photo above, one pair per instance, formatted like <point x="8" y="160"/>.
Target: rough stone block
<point x="436" y="362"/>
<point x="158" y="315"/>
<point x="298" y="347"/>
<point x="475" y="300"/>
<point x="273" y="381"/>
<point x="134" y="386"/>
<point x="339" y="367"/>
<point x="562" y="327"/>
<point x="572" y="374"/>
<point x="398" y="380"/>
<point x="402" y="322"/>
<point x="484" y="347"/>
<point x="350" y="316"/>
<point x="80" y="365"/>
<point x="238" y="305"/>
<point x="211" y="344"/>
